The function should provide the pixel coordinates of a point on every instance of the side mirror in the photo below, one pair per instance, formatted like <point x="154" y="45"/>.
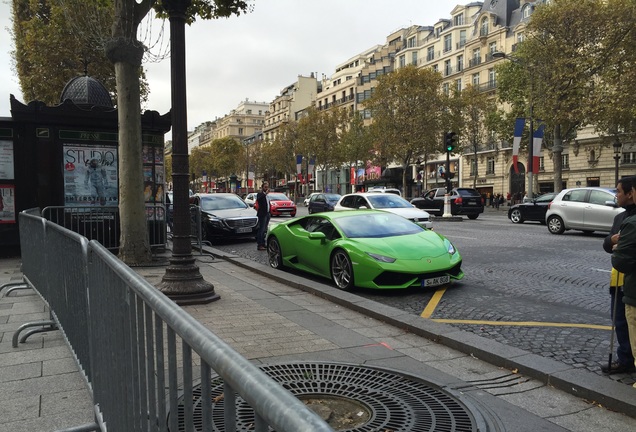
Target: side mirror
<point x="611" y="203"/>
<point x="317" y="236"/>
<point x="362" y="207"/>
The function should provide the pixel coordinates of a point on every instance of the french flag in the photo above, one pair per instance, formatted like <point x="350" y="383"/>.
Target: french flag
<point x="537" y="139"/>
<point x="520" y="123"/>
<point x="299" y="163"/>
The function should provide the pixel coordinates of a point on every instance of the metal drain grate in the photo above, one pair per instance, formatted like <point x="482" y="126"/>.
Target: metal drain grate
<point x="395" y="402"/>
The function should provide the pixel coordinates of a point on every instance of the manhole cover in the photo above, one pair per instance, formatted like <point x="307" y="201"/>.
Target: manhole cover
<point x="355" y="398"/>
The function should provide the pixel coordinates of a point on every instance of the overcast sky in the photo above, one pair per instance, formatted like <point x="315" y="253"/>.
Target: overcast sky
<point x="255" y="56"/>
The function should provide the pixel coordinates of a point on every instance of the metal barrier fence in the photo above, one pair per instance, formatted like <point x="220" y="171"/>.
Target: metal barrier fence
<point x="101" y="223"/>
<point x="138" y="350"/>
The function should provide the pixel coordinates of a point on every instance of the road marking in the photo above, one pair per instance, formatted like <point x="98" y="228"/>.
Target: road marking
<point x="520" y="323"/>
<point x="460" y="237"/>
<point x="432" y="304"/>
<point x="602" y="270"/>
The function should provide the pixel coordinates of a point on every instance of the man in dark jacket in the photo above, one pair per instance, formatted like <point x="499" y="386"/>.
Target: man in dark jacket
<point x="624" y="359"/>
<point x="263" y="216"/>
<point x="624" y="260"/>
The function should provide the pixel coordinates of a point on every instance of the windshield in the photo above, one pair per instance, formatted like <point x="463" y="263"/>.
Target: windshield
<point x="277" y="197"/>
<point x="383" y="201"/>
<point x="222" y="202"/>
<point x="332" y="197"/>
<point x="377" y="224"/>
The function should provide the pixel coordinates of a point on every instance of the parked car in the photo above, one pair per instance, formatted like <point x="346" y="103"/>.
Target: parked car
<point x="320" y="202"/>
<point x="533" y="210"/>
<point x="250" y="199"/>
<point x="280" y="204"/>
<point x="225" y="215"/>
<point x="388" y="250"/>
<point x="587" y="209"/>
<point x="308" y="198"/>
<point x="463" y="201"/>
<point x="387" y="202"/>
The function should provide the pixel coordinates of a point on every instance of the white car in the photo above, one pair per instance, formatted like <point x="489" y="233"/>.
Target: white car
<point x="250" y="199"/>
<point x="382" y="189"/>
<point x="308" y="197"/>
<point x="386" y="202"/>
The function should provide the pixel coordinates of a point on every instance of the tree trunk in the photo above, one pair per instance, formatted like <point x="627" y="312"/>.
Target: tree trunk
<point x="126" y="53"/>
<point x="134" y="243"/>
<point x="557" y="151"/>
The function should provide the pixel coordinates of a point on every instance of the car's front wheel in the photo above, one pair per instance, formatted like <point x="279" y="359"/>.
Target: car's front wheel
<point x="274" y="253"/>
<point x="473" y="216"/>
<point x="555" y="225"/>
<point x="515" y="216"/>
<point x="342" y="270"/>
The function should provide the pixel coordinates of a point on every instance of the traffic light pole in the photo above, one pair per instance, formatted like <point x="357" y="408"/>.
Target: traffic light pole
<point x="447" y="206"/>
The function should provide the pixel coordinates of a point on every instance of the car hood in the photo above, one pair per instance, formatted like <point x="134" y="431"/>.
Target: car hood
<point x="406" y="247"/>
<point x="230" y="213"/>
<point x="408" y="213"/>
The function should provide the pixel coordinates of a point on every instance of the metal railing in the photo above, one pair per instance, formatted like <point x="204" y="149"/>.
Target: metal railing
<point x="101" y="223"/>
<point x="138" y="350"/>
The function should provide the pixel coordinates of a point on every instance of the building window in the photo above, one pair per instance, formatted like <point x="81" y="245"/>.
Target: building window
<point x="411" y="42"/>
<point x="240" y="131"/>
<point x="446" y="88"/>
<point x="460" y="63"/>
<point x="565" y="161"/>
<point x="473" y="167"/>
<point x="414" y="58"/>
<point x="541" y="163"/>
<point x="448" y="43"/>
<point x="430" y="53"/>
<point x="458" y="20"/>
<point x="492" y="78"/>
<point x="520" y="37"/>
<point x="526" y="11"/>
<point x="402" y="61"/>
<point x="436" y="68"/>
<point x="447" y="67"/>
<point x="476" y="80"/>
<point x="490" y="165"/>
<point x="492" y="47"/>
<point x="483" y="31"/>
<point x="462" y="38"/>
<point x="629" y="157"/>
<point x="458" y="84"/>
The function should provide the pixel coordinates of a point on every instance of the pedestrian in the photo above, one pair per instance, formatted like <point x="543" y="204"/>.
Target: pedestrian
<point x="525" y="197"/>
<point x="624" y="359"/>
<point x="509" y="198"/>
<point x="262" y="213"/>
<point x="624" y="260"/>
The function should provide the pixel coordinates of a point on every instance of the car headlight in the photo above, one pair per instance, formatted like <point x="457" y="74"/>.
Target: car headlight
<point x="381" y="258"/>
<point x="449" y="247"/>
<point x="215" y="221"/>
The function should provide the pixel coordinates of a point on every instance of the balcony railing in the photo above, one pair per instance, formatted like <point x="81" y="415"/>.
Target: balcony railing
<point x="475" y="61"/>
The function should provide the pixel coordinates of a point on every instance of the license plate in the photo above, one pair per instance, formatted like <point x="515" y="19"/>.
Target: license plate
<point x="472" y="203"/>
<point x="436" y="281"/>
<point x="243" y="230"/>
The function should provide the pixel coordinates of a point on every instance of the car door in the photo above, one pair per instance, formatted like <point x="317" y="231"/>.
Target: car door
<point x="572" y="208"/>
<point x="535" y="210"/>
<point x="314" y="253"/>
<point x="598" y="214"/>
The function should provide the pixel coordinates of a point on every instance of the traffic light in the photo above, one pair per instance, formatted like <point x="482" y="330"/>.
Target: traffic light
<point x="450" y="141"/>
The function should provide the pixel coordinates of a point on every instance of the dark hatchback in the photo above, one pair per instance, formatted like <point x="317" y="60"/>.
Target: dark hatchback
<point x="532" y="210"/>
<point x="225" y="215"/>
<point x="464" y="201"/>
<point x="323" y="202"/>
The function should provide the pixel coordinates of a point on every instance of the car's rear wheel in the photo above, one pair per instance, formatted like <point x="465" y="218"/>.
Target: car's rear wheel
<point x="274" y="253"/>
<point x="473" y="216"/>
<point x="555" y="225"/>
<point x="342" y="270"/>
<point x="515" y="216"/>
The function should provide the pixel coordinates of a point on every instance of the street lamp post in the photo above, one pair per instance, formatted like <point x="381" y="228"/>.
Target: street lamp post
<point x="617" y="156"/>
<point x="182" y="282"/>
<point x="338" y="182"/>
<point x="499" y="54"/>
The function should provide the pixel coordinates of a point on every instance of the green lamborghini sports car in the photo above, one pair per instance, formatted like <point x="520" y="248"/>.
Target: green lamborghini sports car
<point x="364" y="248"/>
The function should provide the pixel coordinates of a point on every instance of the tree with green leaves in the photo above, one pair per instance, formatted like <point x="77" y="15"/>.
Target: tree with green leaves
<point x="475" y="107"/>
<point x="559" y="70"/>
<point x="356" y="141"/>
<point x="126" y="52"/>
<point x="407" y="108"/>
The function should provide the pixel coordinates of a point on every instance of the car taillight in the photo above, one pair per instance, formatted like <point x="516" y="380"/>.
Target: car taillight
<point x="458" y="200"/>
<point x="549" y="204"/>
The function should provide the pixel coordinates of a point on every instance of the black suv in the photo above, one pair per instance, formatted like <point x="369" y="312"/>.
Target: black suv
<point x="464" y="201"/>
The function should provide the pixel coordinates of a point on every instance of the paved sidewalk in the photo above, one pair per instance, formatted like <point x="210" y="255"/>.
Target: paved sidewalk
<point x="271" y="317"/>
